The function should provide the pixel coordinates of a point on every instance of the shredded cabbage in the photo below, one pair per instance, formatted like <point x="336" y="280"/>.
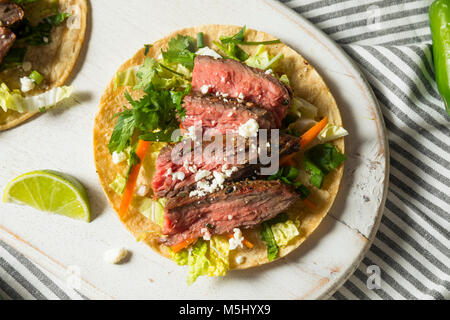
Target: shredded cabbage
<point x="181" y="257"/>
<point x="13" y="100"/>
<point x="219" y="250"/>
<point x="118" y="185"/>
<point x="284" y="78"/>
<point x="284" y="232"/>
<point x="153" y="209"/>
<point x="125" y="78"/>
<point x="303" y="108"/>
<point x="206" y="258"/>
<point x="262" y="59"/>
<point x="331" y="132"/>
<point x="197" y="261"/>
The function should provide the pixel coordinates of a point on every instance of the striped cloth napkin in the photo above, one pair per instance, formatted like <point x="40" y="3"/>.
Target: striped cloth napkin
<point x="391" y="42"/>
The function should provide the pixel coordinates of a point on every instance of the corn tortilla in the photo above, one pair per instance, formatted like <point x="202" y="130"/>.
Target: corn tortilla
<point x="306" y="83"/>
<point x="54" y="61"/>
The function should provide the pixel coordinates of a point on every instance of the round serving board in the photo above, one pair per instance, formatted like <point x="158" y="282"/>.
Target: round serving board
<point x="61" y="140"/>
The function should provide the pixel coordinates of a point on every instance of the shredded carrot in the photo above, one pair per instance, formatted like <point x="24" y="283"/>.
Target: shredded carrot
<point x="310" y="204"/>
<point x="246" y="243"/>
<point x="141" y="150"/>
<point x="309" y="135"/>
<point x="183" y="244"/>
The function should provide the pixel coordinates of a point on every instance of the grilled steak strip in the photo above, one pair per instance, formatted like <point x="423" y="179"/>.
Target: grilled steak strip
<point x="239" y="205"/>
<point x="238" y="80"/>
<point x="7" y="39"/>
<point x="222" y="115"/>
<point x="10" y="13"/>
<point x="171" y="159"/>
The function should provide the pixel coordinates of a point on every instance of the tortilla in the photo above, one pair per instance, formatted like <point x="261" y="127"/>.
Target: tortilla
<point x="54" y="61"/>
<point x="306" y="83"/>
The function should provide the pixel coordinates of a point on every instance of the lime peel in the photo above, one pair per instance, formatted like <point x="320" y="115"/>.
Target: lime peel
<point x="50" y="191"/>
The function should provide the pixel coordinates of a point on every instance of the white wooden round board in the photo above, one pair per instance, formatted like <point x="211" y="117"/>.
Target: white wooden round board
<point x="61" y="140"/>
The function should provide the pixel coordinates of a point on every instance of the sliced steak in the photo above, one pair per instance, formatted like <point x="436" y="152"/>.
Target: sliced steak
<point x="7" y="39"/>
<point x="10" y="13"/>
<point x="239" y="205"/>
<point x="238" y="80"/>
<point x="173" y="161"/>
<point x="222" y="115"/>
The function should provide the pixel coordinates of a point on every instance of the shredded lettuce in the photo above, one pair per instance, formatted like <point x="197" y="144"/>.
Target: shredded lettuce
<point x="153" y="209"/>
<point x="262" y="59"/>
<point x="181" y="257"/>
<point x="304" y="109"/>
<point x="219" y="249"/>
<point x="125" y="78"/>
<point x="284" y="78"/>
<point x="331" y="132"/>
<point x="205" y="258"/>
<point x="118" y="185"/>
<point x="13" y="100"/>
<point x="284" y="232"/>
<point x="197" y="261"/>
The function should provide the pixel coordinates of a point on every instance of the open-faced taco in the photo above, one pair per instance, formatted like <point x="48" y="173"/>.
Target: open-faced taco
<point x="234" y="92"/>
<point x="40" y="41"/>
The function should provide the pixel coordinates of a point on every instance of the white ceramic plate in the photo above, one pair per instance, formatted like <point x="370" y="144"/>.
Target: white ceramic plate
<point x="62" y="140"/>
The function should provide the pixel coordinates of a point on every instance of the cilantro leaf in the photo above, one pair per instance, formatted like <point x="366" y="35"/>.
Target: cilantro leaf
<point x="321" y="160"/>
<point x="180" y="50"/>
<point x="239" y="38"/>
<point x="123" y="131"/>
<point x="57" y="19"/>
<point x="326" y="156"/>
<point x="317" y="174"/>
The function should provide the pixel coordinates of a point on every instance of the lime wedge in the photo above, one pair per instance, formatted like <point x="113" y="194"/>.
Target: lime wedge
<point x="50" y="191"/>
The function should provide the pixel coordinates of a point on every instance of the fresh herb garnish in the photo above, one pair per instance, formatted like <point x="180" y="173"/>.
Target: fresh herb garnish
<point x="14" y="58"/>
<point x="288" y="175"/>
<point x="153" y="118"/>
<point x="180" y="50"/>
<point x="146" y="48"/>
<point x="229" y="45"/>
<point x="321" y="160"/>
<point x="57" y="19"/>
<point x="268" y="237"/>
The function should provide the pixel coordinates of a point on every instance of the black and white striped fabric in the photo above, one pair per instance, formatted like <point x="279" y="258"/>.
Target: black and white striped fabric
<point x="390" y="40"/>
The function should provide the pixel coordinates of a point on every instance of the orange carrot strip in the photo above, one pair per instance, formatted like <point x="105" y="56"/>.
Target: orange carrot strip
<point x="183" y="244"/>
<point x="246" y="243"/>
<point x="310" y="204"/>
<point x="141" y="150"/>
<point x="309" y="135"/>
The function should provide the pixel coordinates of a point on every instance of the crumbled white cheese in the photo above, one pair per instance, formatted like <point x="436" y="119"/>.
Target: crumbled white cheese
<point x="237" y="239"/>
<point x="230" y="217"/>
<point x="45" y="39"/>
<point x="142" y="190"/>
<point x="118" y="157"/>
<point x="205" y="88"/>
<point x="222" y="79"/>
<point x="206" y="234"/>
<point x="241" y="96"/>
<point x="230" y="114"/>
<point x="249" y="129"/>
<point x="229" y="172"/>
<point x="115" y="255"/>
<point x="269" y="71"/>
<point x="207" y="51"/>
<point x="179" y="175"/>
<point x="27" y="84"/>
<point x="197" y="193"/>
<point x="240" y="259"/>
<point x="168" y="172"/>
<point x="219" y="178"/>
<point x="202" y="174"/>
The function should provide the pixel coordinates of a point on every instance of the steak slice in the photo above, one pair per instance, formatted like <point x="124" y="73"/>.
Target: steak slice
<point x="10" y="13"/>
<point x="7" y="39"/>
<point x="172" y="161"/>
<point x="220" y="115"/>
<point x="239" y="205"/>
<point x="238" y="80"/>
